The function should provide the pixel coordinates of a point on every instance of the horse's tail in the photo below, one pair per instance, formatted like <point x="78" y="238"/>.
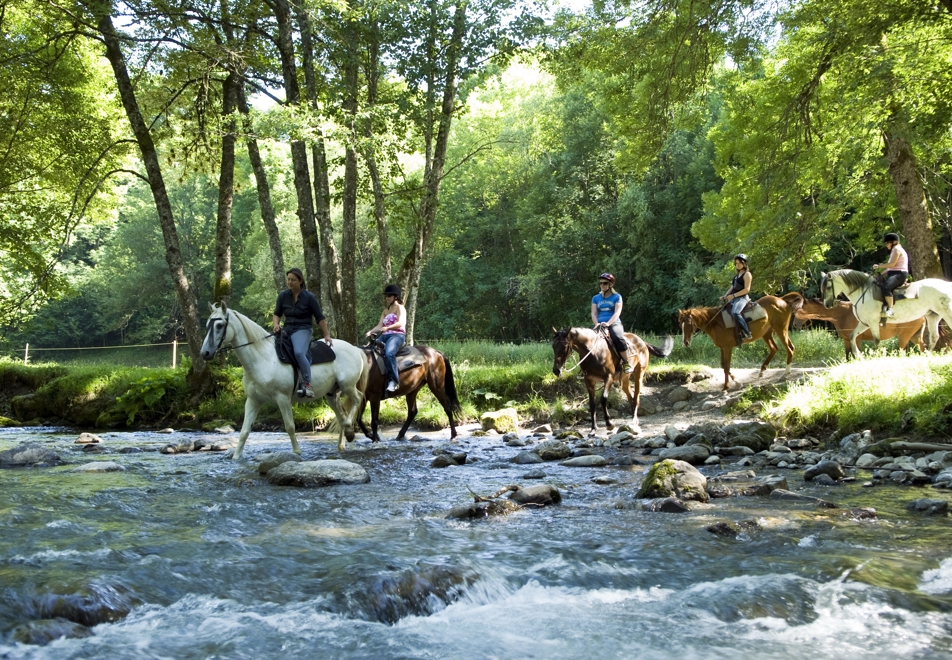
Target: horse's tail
<point x="665" y="349"/>
<point x="795" y="300"/>
<point x="449" y="385"/>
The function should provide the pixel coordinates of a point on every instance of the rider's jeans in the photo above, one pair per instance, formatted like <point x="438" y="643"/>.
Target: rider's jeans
<point x="737" y="305"/>
<point x="301" y="341"/>
<point x="392" y="342"/>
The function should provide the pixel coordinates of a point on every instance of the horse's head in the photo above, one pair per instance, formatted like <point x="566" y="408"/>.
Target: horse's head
<point x="219" y="333"/>
<point x="686" y="323"/>
<point x="561" y="346"/>
<point x="826" y="291"/>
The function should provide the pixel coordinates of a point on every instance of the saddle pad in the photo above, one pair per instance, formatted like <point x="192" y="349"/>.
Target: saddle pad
<point x="752" y="312"/>
<point x="318" y="350"/>
<point x="408" y="357"/>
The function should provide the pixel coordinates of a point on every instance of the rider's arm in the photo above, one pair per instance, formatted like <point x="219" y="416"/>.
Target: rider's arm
<point x="322" y="324"/>
<point x="617" y="314"/>
<point x="276" y="323"/>
<point x="594" y="314"/>
<point x="893" y="261"/>
<point x="379" y="327"/>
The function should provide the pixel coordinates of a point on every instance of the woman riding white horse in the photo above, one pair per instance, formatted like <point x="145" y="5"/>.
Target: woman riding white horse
<point x="267" y="379"/>
<point x="931" y="298"/>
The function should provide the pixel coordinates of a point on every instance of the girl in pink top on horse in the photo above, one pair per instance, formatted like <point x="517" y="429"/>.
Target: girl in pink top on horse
<point x="895" y="271"/>
<point x="392" y="324"/>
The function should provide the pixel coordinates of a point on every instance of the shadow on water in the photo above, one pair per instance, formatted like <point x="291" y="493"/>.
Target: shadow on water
<point x="196" y="556"/>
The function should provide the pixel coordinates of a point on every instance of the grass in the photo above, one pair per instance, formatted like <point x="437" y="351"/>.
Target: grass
<point x="886" y="394"/>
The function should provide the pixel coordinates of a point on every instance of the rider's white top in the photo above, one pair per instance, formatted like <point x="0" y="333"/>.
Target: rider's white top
<point x="903" y="259"/>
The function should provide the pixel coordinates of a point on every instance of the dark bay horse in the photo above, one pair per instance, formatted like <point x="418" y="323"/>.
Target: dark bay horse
<point x="435" y="373"/>
<point x="842" y="317"/>
<point x="599" y="364"/>
<point x="709" y="320"/>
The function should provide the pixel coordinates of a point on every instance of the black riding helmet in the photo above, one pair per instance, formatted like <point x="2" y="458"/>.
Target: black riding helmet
<point x="891" y="238"/>
<point x="393" y="290"/>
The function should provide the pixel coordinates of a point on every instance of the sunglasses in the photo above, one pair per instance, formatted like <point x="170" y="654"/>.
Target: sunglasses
<point x="605" y="283"/>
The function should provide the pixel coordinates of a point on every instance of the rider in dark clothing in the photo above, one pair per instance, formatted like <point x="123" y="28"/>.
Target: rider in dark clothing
<point x="739" y="294"/>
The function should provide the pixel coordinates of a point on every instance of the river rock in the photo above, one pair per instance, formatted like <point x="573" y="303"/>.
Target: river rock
<point x="593" y="460"/>
<point x="501" y="421"/>
<point x="603" y="480"/>
<point x="723" y="529"/>
<point x="448" y="460"/>
<point x="672" y="433"/>
<point x="866" y="460"/>
<point x="29" y="454"/>
<point x="178" y="448"/>
<point x="543" y="494"/>
<point x="88" y="439"/>
<point x="309" y="474"/>
<point x="669" y="478"/>
<point x="542" y="430"/>
<point x="552" y="450"/>
<point x="271" y="461"/>
<point x="693" y="454"/>
<point x="512" y="439"/>
<point x="168" y="430"/>
<point x="526" y="458"/>
<point x="830" y="468"/>
<point x="678" y="394"/>
<point x="99" y="466"/>
<point x="216" y="444"/>
<point x="483" y="509"/>
<point x="756" y="435"/>
<point x="130" y="450"/>
<point x="930" y="507"/>
<point x="824" y="480"/>
<point x="781" y="494"/>
<point x="534" y="474"/>
<point x="44" y="631"/>
<point x="665" y="505"/>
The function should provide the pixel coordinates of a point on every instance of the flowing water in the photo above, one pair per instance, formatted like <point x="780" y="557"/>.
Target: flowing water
<point x="195" y="556"/>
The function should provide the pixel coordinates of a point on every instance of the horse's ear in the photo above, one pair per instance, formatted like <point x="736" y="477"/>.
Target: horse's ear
<point x="554" y="331"/>
<point x="211" y="307"/>
<point x="224" y="307"/>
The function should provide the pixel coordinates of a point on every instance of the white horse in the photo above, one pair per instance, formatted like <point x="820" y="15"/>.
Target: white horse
<point x="267" y="379"/>
<point x="931" y="298"/>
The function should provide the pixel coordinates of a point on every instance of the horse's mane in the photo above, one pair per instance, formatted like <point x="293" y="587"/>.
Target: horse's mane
<point x="855" y="279"/>
<point x="253" y="331"/>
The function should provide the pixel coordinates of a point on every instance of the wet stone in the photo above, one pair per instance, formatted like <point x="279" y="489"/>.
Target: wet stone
<point x="130" y="450"/>
<point x="99" y="466"/>
<point x="723" y="529"/>
<point x="309" y="474"/>
<point x="88" y="439"/>
<point x="929" y="506"/>
<point x="585" y="461"/>
<point x="542" y="494"/>
<point x="534" y="474"/>
<point x="665" y="505"/>
<point x="29" y="454"/>
<point x="271" y="461"/>
<point x="824" y="480"/>
<point x="604" y="480"/>
<point x="526" y="458"/>
<point x="44" y="631"/>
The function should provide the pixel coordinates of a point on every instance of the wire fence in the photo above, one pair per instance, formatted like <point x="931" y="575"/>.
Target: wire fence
<point x="166" y="354"/>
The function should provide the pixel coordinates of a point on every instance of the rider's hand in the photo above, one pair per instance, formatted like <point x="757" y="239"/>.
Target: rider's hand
<point x="328" y="341"/>
<point x="276" y="329"/>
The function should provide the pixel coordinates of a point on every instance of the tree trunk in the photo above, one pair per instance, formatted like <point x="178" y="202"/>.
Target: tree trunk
<point x="302" y="178"/>
<point x="348" y="311"/>
<point x="264" y="196"/>
<point x="380" y="208"/>
<point x="226" y="191"/>
<point x="919" y="237"/>
<point x="330" y="262"/>
<point x="199" y="375"/>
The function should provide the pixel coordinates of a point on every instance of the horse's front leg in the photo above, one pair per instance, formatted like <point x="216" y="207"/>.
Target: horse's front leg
<point x="604" y="403"/>
<point x="726" y="366"/>
<point x="634" y="401"/>
<point x="411" y="414"/>
<point x="591" y="404"/>
<point x="251" y="412"/>
<point x="374" y="420"/>
<point x="857" y="331"/>
<point x="287" y="415"/>
<point x="771" y="351"/>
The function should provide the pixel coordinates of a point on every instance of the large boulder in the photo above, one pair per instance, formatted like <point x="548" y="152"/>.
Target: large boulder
<point x="29" y="454"/>
<point x="552" y="450"/>
<point x="756" y="435"/>
<point x="693" y="454"/>
<point x="502" y="421"/>
<point x="671" y="478"/>
<point x="829" y="468"/>
<point x="311" y="474"/>
<point x="852" y="447"/>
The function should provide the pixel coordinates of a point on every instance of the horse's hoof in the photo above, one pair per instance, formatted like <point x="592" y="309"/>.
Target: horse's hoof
<point x="349" y="434"/>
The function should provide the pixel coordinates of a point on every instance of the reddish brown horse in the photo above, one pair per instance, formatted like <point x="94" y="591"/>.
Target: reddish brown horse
<point x="600" y="364"/>
<point x="709" y="320"/>
<point x="436" y="373"/>
<point x="843" y="319"/>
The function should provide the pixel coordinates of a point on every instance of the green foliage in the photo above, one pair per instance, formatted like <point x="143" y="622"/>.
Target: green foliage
<point x="142" y="397"/>
<point x="886" y="394"/>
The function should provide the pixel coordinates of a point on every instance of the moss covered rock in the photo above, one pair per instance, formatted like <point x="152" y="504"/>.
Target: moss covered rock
<point x="502" y="421"/>
<point x="672" y="478"/>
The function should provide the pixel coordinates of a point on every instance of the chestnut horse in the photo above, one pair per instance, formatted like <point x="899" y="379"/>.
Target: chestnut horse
<point x="598" y="363"/>
<point x="709" y="320"/>
<point x="435" y="373"/>
<point x="842" y="317"/>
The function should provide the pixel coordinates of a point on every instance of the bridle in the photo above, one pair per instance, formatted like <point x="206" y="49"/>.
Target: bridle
<point x="221" y="349"/>
<point x="569" y="345"/>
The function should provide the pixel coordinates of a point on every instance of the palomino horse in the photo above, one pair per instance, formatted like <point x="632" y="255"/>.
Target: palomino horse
<point x="842" y="317"/>
<point x="709" y="320"/>
<point x="931" y="298"/>
<point x="436" y="373"/>
<point x="266" y="379"/>
<point x="598" y="365"/>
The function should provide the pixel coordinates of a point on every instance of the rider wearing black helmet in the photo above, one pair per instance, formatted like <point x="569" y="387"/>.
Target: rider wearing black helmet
<point x="392" y="325"/>
<point x="739" y="294"/>
<point x="895" y="270"/>
<point x="606" y="312"/>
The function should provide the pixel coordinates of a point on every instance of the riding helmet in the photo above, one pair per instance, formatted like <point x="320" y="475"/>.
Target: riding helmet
<point x="890" y="238"/>
<point x="742" y="257"/>
<point x="607" y="276"/>
<point x="393" y="290"/>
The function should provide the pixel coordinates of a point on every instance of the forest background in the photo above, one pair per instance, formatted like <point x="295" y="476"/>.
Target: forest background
<point x="490" y="156"/>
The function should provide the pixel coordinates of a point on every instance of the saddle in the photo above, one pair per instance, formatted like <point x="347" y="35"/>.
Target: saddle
<point x="408" y="357"/>
<point x="616" y="356"/>
<point x="317" y="352"/>
<point x="908" y="290"/>
<point x="752" y="312"/>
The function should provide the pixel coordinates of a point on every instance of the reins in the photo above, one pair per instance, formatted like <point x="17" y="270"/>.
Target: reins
<point x="579" y="363"/>
<point x="222" y="349"/>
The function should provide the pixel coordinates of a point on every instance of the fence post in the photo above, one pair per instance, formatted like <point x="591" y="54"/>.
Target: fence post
<point x="174" y="351"/>
<point x="26" y="353"/>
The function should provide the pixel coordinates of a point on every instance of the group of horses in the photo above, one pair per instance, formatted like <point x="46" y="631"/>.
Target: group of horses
<point x="927" y="301"/>
<point x="354" y="373"/>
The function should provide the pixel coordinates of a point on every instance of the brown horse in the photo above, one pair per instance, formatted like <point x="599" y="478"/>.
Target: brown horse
<point x="709" y="320"/>
<point x="436" y="373"/>
<point x="843" y="319"/>
<point x="600" y="364"/>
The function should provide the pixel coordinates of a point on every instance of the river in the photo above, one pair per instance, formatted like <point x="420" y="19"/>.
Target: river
<point x="196" y="556"/>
